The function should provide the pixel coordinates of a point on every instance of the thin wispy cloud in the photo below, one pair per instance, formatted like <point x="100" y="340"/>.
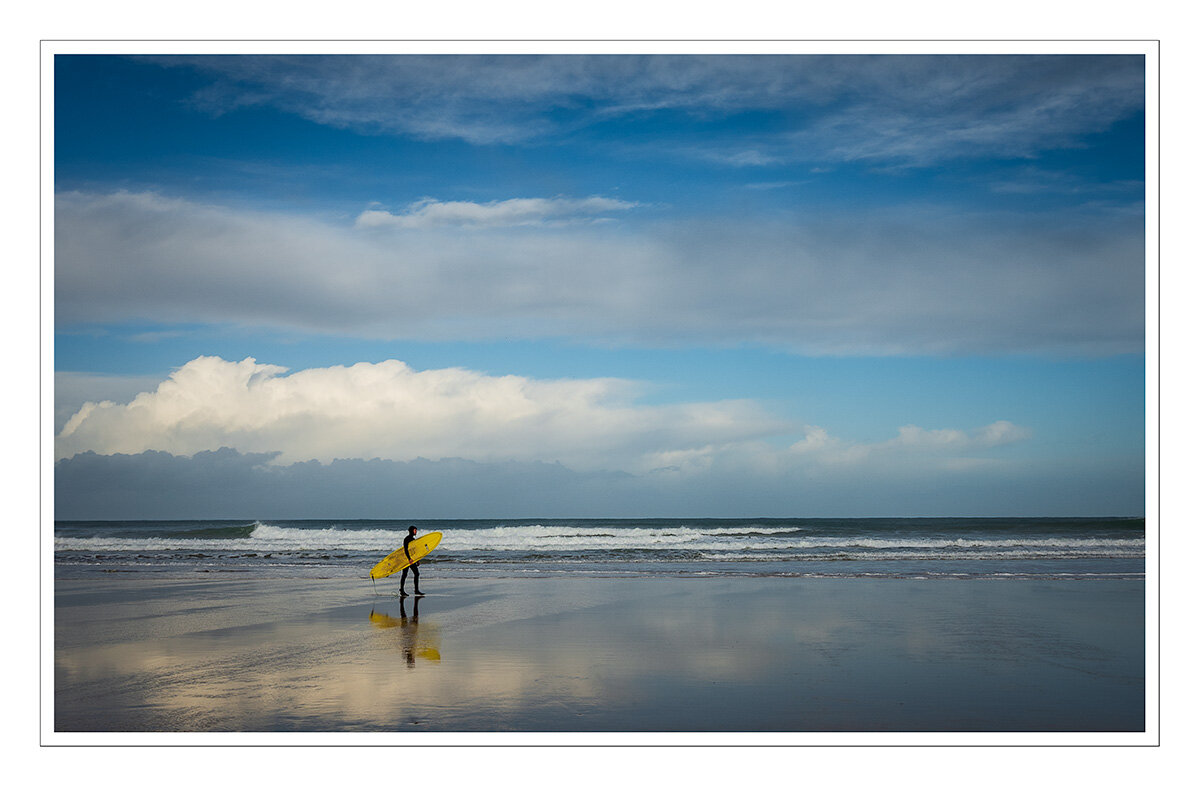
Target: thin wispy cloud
<point x="776" y="184"/>
<point x="1032" y="180"/>
<point x="954" y="445"/>
<point x="902" y="109"/>
<point x="432" y="213"/>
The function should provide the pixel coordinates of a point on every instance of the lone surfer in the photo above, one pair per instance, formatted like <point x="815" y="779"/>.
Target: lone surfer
<point x="412" y="534"/>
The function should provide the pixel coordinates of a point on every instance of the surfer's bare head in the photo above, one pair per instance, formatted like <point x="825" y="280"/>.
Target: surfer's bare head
<point x="412" y="529"/>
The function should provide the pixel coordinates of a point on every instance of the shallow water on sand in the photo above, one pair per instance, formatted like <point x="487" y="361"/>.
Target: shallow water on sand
<point x="727" y="654"/>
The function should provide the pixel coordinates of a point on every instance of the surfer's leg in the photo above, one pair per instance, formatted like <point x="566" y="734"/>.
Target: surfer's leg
<point x="416" y="580"/>
<point x="404" y="576"/>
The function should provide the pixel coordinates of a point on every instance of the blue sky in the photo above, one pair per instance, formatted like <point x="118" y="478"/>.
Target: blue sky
<point x="691" y="285"/>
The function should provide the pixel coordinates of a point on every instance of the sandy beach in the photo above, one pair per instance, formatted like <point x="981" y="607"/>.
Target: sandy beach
<point x="240" y="652"/>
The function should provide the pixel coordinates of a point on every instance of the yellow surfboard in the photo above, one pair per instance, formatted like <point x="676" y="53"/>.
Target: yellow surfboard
<point x="417" y="549"/>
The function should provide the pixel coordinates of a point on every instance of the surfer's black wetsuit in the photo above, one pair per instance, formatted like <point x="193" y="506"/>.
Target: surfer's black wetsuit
<point x="416" y="574"/>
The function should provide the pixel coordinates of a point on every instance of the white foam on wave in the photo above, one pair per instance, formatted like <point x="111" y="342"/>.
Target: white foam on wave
<point x="262" y="538"/>
<point x="731" y="542"/>
<point x="558" y="538"/>
<point x="296" y="538"/>
<point x="752" y="539"/>
<point x="768" y="556"/>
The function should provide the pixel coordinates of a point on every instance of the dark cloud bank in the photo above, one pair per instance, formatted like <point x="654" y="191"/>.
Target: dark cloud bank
<point x="227" y="484"/>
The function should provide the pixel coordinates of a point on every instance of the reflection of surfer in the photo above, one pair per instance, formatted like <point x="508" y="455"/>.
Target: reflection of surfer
<point x="409" y="633"/>
<point x="413" y="644"/>
<point x="412" y="534"/>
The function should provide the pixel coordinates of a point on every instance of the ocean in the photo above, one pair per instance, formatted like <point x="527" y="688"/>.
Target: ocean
<point x="902" y="548"/>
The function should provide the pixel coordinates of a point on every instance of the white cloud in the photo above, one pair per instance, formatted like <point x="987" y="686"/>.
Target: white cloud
<point x="955" y="445"/>
<point x="388" y="410"/>
<point x="430" y="213"/>
<point x="750" y="157"/>
<point x="777" y="184"/>
<point x="392" y="412"/>
<point x="906" y="281"/>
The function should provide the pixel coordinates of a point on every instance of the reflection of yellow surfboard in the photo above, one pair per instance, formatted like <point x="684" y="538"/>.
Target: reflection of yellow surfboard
<point x="383" y="621"/>
<point x="413" y="640"/>
<point x="418" y="549"/>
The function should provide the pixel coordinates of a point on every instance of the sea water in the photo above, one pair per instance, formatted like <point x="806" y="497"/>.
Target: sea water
<point x="912" y="548"/>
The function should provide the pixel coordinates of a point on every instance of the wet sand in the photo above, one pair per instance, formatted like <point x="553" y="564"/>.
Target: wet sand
<point x="227" y="652"/>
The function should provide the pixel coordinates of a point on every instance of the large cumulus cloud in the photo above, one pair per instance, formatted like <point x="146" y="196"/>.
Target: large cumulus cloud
<point x="389" y="410"/>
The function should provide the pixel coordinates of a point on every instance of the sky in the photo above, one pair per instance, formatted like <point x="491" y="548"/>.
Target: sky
<point x="617" y="285"/>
